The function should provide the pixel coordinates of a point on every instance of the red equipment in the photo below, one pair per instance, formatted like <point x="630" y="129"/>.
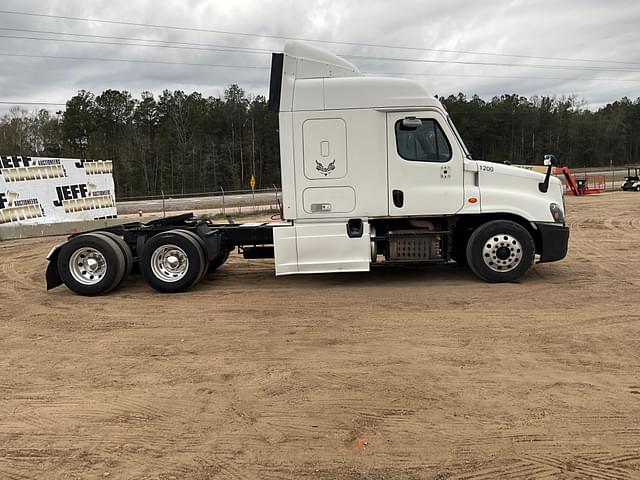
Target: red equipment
<point x="584" y="185"/>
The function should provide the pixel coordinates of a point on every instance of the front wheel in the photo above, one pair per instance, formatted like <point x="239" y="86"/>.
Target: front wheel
<point x="500" y="251"/>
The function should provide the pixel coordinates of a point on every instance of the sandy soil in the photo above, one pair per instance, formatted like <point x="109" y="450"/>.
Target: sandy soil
<point x="394" y="374"/>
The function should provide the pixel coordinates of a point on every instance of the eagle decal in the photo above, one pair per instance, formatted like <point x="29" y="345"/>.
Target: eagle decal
<point x="325" y="170"/>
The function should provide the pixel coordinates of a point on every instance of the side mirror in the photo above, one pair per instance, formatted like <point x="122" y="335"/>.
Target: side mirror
<point x="549" y="160"/>
<point x="411" y="122"/>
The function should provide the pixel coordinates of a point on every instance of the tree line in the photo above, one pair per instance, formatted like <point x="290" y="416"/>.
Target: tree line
<point x="522" y="130"/>
<point x="173" y="144"/>
<point x="188" y="143"/>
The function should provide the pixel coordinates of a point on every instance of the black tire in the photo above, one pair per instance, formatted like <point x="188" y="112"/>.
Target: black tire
<point x="509" y="261"/>
<point x="126" y="251"/>
<point x="110" y="252"/>
<point x="203" y="246"/>
<point x="218" y="261"/>
<point x="193" y="252"/>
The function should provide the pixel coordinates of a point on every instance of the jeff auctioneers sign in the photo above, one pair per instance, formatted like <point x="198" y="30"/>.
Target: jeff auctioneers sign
<point x="53" y="190"/>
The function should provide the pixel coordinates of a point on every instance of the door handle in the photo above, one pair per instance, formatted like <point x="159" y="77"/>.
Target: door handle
<point x="398" y="198"/>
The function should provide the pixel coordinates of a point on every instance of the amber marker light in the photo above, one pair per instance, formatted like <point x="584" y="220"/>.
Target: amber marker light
<point x="472" y="200"/>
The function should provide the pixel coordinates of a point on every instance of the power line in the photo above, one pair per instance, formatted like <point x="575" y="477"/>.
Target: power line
<point x="68" y="40"/>
<point x="356" y="57"/>
<point x="258" y="67"/>
<point x="462" y="75"/>
<point x="8" y="102"/>
<point x="494" y="64"/>
<point x="214" y="47"/>
<point x="135" y="39"/>
<point x="164" y="44"/>
<point x="131" y="60"/>
<point x="283" y="37"/>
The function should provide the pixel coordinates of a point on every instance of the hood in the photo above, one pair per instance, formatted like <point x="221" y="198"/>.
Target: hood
<point x="519" y="172"/>
<point x="505" y="188"/>
<point x="504" y="169"/>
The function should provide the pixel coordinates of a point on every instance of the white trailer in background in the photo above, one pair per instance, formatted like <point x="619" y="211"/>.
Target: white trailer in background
<point x="373" y="171"/>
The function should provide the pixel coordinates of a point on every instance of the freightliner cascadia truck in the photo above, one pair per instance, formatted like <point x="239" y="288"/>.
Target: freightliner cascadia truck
<point x="373" y="172"/>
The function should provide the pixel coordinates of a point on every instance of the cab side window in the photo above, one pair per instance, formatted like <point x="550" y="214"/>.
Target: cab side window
<point x="425" y="143"/>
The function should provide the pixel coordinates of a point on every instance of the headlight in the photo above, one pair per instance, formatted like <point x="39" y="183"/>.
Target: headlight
<point x="556" y="213"/>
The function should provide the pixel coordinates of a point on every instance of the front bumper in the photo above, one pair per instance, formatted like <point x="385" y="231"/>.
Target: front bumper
<point x="554" y="241"/>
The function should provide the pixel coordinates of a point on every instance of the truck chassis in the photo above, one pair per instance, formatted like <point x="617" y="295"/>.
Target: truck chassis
<point x="213" y="242"/>
<point x="175" y="253"/>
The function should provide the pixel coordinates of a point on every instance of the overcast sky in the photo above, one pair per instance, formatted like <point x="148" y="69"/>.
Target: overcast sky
<point x="590" y="31"/>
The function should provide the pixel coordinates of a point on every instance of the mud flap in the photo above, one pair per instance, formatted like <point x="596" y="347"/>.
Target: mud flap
<point x="52" y="276"/>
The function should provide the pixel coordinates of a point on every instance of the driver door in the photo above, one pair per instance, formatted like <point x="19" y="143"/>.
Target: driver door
<point x="424" y="165"/>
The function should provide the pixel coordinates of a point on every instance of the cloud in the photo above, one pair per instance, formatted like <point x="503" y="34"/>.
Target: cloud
<point x="587" y="30"/>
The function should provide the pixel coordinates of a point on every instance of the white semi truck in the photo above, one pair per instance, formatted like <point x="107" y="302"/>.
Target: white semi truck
<point x="373" y="172"/>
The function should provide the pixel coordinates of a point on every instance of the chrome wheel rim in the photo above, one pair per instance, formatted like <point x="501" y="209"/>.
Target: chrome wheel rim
<point x="87" y="266"/>
<point x="502" y="252"/>
<point x="169" y="263"/>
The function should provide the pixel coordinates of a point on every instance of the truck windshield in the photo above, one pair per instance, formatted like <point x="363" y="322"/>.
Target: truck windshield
<point x="459" y="138"/>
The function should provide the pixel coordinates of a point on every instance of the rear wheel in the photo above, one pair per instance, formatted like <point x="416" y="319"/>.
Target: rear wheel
<point x="172" y="261"/>
<point x="91" y="264"/>
<point x="203" y="247"/>
<point x="500" y="251"/>
<point x="126" y="251"/>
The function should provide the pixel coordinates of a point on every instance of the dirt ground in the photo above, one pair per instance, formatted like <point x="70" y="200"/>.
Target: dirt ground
<point x="402" y="373"/>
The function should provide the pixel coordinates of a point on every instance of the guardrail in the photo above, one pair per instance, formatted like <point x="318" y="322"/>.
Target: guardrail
<point x="215" y="193"/>
<point x="219" y="200"/>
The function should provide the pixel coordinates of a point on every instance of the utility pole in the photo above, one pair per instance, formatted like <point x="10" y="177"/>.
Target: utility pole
<point x="612" y="174"/>
<point x="241" y="157"/>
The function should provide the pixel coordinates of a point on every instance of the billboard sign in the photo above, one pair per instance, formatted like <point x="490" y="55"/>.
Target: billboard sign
<point x="37" y="190"/>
